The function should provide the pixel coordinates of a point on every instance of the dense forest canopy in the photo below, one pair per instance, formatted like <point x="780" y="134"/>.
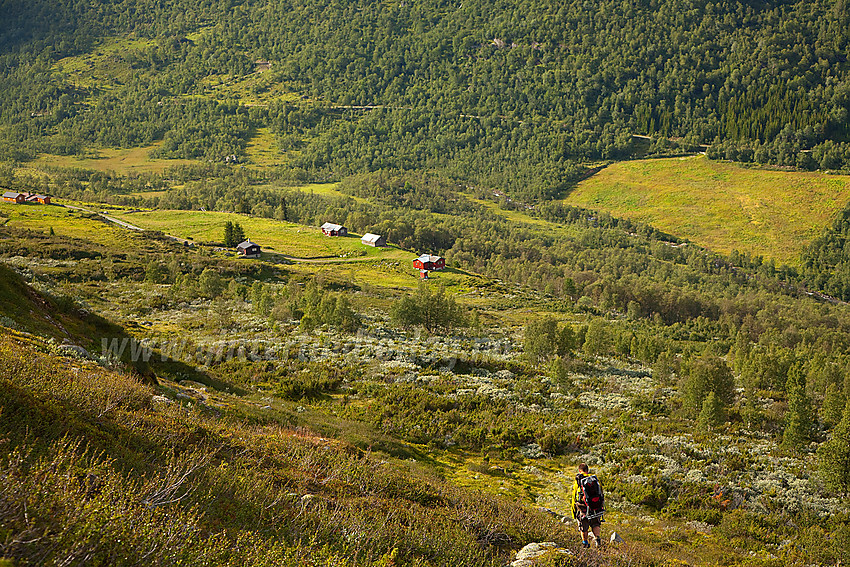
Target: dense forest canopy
<point x="510" y="94"/>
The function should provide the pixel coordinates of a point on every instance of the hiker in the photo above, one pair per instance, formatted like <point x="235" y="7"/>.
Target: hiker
<point x="588" y="505"/>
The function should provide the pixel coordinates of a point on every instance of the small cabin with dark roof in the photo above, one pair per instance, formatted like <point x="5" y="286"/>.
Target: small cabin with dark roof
<point x="248" y="249"/>
<point x="331" y="229"/>
<point x="429" y="262"/>
<point x="370" y="239"/>
<point x="15" y="197"/>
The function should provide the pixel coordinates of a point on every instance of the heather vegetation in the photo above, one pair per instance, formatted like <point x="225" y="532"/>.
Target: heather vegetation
<point x="166" y="401"/>
<point x="708" y="396"/>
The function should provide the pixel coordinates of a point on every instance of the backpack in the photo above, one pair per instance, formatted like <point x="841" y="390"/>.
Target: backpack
<point x="590" y="496"/>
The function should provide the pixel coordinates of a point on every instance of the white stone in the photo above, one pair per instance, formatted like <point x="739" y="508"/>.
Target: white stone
<point x="526" y="556"/>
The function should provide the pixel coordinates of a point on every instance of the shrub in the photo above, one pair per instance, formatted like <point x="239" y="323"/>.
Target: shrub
<point x="433" y="310"/>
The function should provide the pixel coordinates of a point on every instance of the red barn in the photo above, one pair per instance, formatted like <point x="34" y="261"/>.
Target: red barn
<point x="429" y="262"/>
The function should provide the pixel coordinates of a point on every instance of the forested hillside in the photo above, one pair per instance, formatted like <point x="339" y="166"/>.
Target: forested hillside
<point x="508" y="94"/>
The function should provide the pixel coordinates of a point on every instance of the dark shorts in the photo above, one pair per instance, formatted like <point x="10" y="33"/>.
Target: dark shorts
<point x="586" y="524"/>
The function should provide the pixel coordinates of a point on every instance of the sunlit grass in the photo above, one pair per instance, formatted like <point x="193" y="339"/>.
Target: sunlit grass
<point x="64" y="222"/>
<point x="278" y="236"/>
<point x="123" y="161"/>
<point x="720" y="205"/>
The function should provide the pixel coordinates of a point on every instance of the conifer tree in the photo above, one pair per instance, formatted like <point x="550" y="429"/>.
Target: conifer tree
<point x="834" y="456"/>
<point x="228" y="235"/>
<point x="833" y="405"/>
<point x="711" y="414"/>
<point x="238" y="234"/>
<point x="798" y="419"/>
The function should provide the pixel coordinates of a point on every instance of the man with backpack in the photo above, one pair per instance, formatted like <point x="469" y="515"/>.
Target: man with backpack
<point x="588" y="505"/>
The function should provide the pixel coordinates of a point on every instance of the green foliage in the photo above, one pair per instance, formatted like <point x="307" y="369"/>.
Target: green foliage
<point x="263" y="299"/>
<point x="825" y="261"/>
<point x="156" y="273"/>
<point x="310" y="386"/>
<point x="559" y="441"/>
<point x="750" y="531"/>
<point x="478" y="91"/>
<point x="326" y="308"/>
<point x="234" y="234"/>
<point x="210" y="284"/>
<point x="703" y="375"/>
<point x="799" y="418"/>
<point x="544" y="338"/>
<point x="433" y="310"/>
<point x="711" y="414"/>
<point x="834" y="456"/>
<point x="833" y="405"/>
<point x="697" y="502"/>
<point x="652" y="493"/>
<point x="598" y="339"/>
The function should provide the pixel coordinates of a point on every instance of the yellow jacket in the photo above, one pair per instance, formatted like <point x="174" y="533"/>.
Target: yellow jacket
<point x="576" y="495"/>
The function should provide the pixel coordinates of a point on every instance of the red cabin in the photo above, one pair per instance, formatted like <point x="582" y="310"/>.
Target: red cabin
<point x="332" y="229"/>
<point x="429" y="262"/>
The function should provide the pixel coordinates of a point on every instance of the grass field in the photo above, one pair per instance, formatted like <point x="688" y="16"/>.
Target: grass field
<point x="262" y="149"/>
<point x="123" y="161"/>
<point x="105" y="66"/>
<point x="281" y="237"/>
<point x="64" y="222"/>
<point x="720" y="205"/>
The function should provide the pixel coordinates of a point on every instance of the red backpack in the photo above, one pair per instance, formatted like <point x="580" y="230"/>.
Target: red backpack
<point x="590" y="496"/>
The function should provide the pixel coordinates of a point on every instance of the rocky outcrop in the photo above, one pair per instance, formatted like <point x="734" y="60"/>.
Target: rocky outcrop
<point x="528" y="555"/>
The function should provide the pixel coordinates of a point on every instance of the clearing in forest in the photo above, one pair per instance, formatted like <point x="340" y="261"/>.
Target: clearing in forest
<point x="720" y="205"/>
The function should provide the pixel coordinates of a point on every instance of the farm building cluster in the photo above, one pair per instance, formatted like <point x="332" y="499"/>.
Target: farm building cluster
<point x="425" y="263"/>
<point x="368" y="239"/>
<point x="23" y="198"/>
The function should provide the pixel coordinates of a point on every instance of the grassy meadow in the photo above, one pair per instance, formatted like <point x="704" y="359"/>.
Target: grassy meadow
<point x="279" y="236"/>
<point x="64" y="222"/>
<point x="720" y="205"/>
<point x="262" y="149"/>
<point x="123" y="161"/>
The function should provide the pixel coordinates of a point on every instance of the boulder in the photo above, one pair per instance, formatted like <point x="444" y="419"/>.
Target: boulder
<point x="308" y="499"/>
<point x="528" y="555"/>
<point x="74" y="350"/>
<point x="615" y="538"/>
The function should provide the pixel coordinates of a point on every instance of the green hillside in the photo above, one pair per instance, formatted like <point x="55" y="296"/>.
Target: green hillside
<point x="722" y="206"/>
<point x="509" y="95"/>
<point x="308" y="417"/>
<point x="107" y="470"/>
<point x="645" y="226"/>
